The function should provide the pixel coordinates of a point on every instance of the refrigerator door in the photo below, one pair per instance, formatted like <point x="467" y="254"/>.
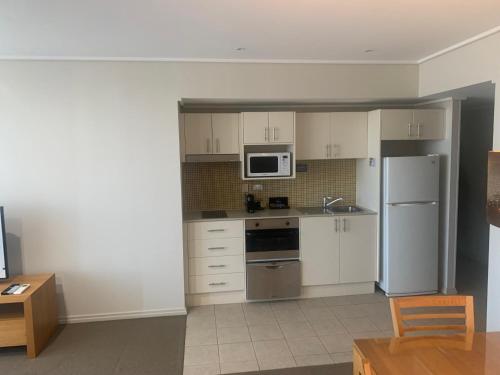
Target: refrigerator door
<point x="411" y="179"/>
<point x="410" y="248"/>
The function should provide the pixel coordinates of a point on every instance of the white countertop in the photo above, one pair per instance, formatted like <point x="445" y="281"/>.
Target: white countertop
<point x="193" y="216"/>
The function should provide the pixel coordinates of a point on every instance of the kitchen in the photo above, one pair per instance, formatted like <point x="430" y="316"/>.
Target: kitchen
<point x="326" y="199"/>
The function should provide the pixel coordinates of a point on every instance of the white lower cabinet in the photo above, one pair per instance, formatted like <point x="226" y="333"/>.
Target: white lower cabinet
<point x="338" y="249"/>
<point x="216" y="256"/>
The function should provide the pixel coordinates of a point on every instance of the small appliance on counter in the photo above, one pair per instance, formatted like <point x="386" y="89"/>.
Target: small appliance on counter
<point x="252" y="204"/>
<point x="278" y="203"/>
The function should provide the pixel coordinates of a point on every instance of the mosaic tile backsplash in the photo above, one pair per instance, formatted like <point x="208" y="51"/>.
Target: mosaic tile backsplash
<point x="216" y="186"/>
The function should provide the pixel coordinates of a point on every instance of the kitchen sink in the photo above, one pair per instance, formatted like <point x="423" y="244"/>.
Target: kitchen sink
<point x="329" y="210"/>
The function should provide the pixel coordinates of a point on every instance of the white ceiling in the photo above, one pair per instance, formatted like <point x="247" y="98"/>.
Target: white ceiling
<point x="320" y="30"/>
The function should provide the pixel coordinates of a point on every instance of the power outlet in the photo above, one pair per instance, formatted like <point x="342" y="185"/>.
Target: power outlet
<point x="244" y="188"/>
<point x="258" y="187"/>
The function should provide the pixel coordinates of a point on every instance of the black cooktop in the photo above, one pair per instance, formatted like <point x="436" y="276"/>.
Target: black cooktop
<point x="216" y="214"/>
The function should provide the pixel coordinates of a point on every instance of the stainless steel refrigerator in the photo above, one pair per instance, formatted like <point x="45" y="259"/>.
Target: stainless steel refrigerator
<point x="410" y="225"/>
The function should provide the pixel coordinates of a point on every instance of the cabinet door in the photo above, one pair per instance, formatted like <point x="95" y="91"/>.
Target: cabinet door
<point x="358" y="247"/>
<point x="198" y="133"/>
<point x="281" y="127"/>
<point x="397" y="124"/>
<point x="319" y="248"/>
<point x="255" y="127"/>
<point x="225" y="131"/>
<point x="349" y="135"/>
<point x="313" y="136"/>
<point x="429" y="123"/>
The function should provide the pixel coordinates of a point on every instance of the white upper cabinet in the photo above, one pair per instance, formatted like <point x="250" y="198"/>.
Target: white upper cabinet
<point x="255" y="127"/>
<point x="313" y="136"/>
<point x="225" y="133"/>
<point x="336" y="135"/>
<point x="349" y="135"/>
<point x="268" y="127"/>
<point x="319" y="249"/>
<point x="281" y="127"/>
<point x="429" y="123"/>
<point x="412" y="124"/>
<point x="198" y="133"/>
<point x="358" y="248"/>
<point x="211" y="133"/>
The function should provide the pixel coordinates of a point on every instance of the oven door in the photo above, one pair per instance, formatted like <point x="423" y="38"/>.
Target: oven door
<point x="272" y="244"/>
<point x="271" y="280"/>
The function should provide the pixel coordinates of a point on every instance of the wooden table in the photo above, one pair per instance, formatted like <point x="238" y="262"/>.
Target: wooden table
<point x="477" y="353"/>
<point x="30" y="318"/>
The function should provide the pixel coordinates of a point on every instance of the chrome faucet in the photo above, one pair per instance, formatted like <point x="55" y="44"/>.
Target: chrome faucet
<point x="328" y="201"/>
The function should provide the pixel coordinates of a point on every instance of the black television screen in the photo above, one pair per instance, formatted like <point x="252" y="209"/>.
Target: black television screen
<point x="3" y="247"/>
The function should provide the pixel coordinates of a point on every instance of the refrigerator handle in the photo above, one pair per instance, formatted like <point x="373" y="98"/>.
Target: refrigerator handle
<point x="413" y="204"/>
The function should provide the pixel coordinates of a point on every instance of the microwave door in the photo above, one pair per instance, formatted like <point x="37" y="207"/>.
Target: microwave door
<point x="264" y="165"/>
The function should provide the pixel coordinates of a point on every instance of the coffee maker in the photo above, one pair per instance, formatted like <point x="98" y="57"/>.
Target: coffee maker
<point x="252" y="204"/>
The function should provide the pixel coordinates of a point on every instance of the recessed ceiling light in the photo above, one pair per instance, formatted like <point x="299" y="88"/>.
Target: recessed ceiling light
<point x="369" y="50"/>
<point x="240" y="49"/>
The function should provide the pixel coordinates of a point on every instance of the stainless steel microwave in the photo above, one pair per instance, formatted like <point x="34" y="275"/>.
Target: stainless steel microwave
<point x="268" y="164"/>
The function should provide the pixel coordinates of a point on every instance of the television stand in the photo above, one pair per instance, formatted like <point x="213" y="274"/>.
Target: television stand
<point x="29" y="319"/>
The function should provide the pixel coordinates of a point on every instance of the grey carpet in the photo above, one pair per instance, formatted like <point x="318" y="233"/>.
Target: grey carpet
<point x="153" y="346"/>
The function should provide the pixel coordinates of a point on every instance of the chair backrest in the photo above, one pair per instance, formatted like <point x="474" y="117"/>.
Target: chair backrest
<point x="407" y="315"/>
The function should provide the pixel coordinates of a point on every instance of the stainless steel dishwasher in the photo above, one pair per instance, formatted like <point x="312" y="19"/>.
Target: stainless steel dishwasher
<point x="272" y="258"/>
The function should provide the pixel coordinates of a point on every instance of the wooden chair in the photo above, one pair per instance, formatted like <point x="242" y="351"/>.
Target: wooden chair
<point x="399" y="318"/>
<point x="367" y="368"/>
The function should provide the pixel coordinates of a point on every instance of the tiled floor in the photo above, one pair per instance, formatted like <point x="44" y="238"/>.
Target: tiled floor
<point x="233" y="338"/>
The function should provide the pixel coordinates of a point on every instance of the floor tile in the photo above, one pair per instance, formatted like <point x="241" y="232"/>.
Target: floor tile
<point x="228" y="308"/>
<point x="313" y="360"/>
<point x="342" y="357"/>
<point x="338" y="343"/>
<point x="228" y="335"/>
<point x="306" y="346"/>
<point x="211" y="369"/>
<point x="318" y="313"/>
<point x="199" y="355"/>
<point x="230" y="320"/>
<point x="200" y="336"/>
<point x="239" y="352"/>
<point x="383" y="322"/>
<point x="388" y="333"/>
<point x="289" y="316"/>
<point x="336" y="301"/>
<point x="200" y="321"/>
<point x="367" y="335"/>
<point x="265" y="332"/>
<point x="271" y="349"/>
<point x="276" y="363"/>
<point x="308" y="303"/>
<point x="235" y="367"/>
<point x="260" y="317"/>
<point x="257" y="306"/>
<point x="201" y="311"/>
<point x="349" y="311"/>
<point x="358" y="324"/>
<point x="382" y="308"/>
<point x="284" y="305"/>
<point x="367" y="298"/>
<point x="328" y="327"/>
<point x="296" y="330"/>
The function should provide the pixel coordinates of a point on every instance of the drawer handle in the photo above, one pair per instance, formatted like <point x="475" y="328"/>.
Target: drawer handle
<point x="217" y="248"/>
<point x="217" y="266"/>
<point x="218" y="284"/>
<point x="216" y="230"/>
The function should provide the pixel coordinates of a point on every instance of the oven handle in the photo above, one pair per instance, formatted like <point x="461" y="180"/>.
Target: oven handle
<point x="273" y="265"/>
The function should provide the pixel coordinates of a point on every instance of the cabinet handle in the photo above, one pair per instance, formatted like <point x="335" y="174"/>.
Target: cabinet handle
<point x="217" y="248"/>
<point x="409" y="130"/>
<point x="217" y="284"/>
<point x="266" y="134"/>
<point x="327" y="153"/>
<point x="418" y="130"/>
<point x="345" y="225"/>
<point x="208" y="145"/>
<point x="217" y="145"/>
<point x="216" y="230"/>
<point x="217" y="266"/>
<point x="336" y="225"/>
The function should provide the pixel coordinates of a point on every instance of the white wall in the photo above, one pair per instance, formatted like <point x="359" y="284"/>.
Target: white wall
<point x="89" y="166"/>
<point x="472" y="64"/>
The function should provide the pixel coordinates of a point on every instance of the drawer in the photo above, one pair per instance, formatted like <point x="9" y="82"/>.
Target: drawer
<point x="215" y="229"/>
<point x="216" y="265"/>
<point x="215" y="247"/>
<point x="216" y="283"/>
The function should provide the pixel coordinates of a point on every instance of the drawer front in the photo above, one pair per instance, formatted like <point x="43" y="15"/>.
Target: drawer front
<point x="215" y="247"/>
<point x="216" y="283"/>
<point x="215" y="229"/>
<point x="216" y="265"/>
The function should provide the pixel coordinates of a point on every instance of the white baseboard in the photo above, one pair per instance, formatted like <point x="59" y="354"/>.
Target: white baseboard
<point x="86" y="318"/>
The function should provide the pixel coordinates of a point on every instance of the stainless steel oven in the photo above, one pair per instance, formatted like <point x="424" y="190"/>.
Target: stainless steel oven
<point x="272" y="258"/>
